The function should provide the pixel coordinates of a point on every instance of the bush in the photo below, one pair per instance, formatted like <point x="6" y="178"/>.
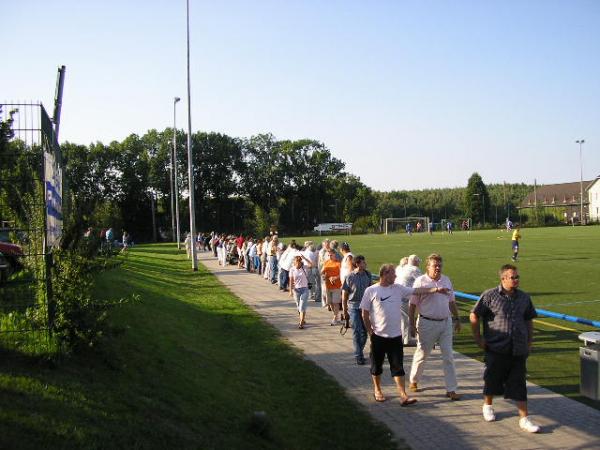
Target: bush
<point x="365" y="224"/>
<point x="78" y="321"/>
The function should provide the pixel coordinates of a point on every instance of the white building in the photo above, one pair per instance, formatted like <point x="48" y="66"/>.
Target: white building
<point x="593" y="191"/>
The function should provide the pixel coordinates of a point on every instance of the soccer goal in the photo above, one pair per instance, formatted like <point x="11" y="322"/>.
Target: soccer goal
<point x="399" y="224"/>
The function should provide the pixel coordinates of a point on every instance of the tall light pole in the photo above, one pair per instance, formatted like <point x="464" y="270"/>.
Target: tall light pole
<point x="581" y="142"/>
<point x="189" y="150"/>
<point x="175" y="218"/>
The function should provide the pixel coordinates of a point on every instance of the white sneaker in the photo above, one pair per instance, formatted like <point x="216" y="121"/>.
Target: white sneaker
<point x="488" y="413"/>
<point x="526" y="424"/>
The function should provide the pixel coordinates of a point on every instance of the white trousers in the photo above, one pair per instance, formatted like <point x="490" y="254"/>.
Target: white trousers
<point x="405" y="324"/>
<point x="430" y="332"/>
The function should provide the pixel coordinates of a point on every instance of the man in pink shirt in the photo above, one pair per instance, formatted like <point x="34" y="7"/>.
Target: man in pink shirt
<point x="381" y="313"/>
<point x="437" y="314"/>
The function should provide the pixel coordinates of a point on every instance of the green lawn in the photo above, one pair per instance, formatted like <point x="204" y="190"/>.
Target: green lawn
<point x="559" y="267"/>
<point x="189" y="371"/>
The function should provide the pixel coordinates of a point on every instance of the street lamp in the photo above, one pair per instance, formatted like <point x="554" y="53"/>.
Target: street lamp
<point x="189" y="150"/>
<point x="174" y="182"/>
<point x="580" y="142"/>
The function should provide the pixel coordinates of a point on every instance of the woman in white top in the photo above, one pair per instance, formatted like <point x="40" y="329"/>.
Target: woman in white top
<point x="314" y="277"/>
<point x="299" y="287"/>
<point x="347" y="260"/>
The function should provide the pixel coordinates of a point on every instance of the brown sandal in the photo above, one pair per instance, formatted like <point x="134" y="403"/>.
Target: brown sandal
<point x="379" y="397"/>
<point x="408" y="401"/>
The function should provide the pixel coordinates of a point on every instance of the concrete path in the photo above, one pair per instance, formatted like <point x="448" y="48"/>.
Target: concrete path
<point x="434" y="422"/>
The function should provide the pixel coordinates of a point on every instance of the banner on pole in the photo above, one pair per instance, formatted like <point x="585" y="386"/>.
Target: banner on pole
<point x="53" y="185"/>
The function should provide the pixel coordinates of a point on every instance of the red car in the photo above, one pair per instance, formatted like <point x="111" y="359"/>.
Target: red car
<point x="10" y="259"/>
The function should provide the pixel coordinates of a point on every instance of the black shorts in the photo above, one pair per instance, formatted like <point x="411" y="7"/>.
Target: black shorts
<point x="392" y="347"/>
<point x="505" y="375"/>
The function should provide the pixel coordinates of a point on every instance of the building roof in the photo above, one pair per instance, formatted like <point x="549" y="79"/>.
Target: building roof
<point x="562" y="194"/>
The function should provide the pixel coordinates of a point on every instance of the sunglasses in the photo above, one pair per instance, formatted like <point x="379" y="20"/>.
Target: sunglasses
<point x="514" y="277"/>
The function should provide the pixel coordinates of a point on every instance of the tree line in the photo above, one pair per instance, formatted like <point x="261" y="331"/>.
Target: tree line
<point x="246" y="185"/>
<point x="250" y="185"/>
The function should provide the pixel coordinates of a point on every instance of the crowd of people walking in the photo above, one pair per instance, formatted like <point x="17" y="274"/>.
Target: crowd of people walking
<point x="404" y="308"/>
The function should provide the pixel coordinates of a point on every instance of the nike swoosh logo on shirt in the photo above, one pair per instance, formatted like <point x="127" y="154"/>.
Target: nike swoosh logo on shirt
<point x="383" y="299"/>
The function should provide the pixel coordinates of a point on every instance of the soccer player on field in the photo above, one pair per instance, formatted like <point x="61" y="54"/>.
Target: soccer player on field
<point x="516" y="237"/>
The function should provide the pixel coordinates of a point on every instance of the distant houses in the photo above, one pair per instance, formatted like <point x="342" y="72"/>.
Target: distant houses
<point x="593" y="191"/>
<point x="563" y="202"/>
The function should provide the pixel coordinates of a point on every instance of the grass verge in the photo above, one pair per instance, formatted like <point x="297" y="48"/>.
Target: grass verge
<point x="191" y="369"/>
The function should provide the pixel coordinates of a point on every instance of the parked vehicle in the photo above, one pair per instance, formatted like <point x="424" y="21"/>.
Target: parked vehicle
<point x="4" y="266"/>
<point x="11" y="260"/>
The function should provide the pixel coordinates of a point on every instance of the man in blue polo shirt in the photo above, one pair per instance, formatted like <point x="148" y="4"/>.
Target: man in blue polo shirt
<point x="353" y="290"/>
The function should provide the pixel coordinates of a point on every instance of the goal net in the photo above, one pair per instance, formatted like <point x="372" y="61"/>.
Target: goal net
<point x="403" y="224"/>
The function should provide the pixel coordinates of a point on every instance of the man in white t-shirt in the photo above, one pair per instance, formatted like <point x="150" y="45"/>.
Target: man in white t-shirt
<point x="381" y="312"/>
<point x="434" y="325"/>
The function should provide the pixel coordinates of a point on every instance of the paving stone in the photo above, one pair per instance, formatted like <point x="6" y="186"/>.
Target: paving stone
<point x="434" y="422"/>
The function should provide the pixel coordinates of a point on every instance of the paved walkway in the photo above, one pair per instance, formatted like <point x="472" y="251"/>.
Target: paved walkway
<point x="434" y="422"/>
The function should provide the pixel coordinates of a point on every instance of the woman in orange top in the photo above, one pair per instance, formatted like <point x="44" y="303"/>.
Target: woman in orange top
<point x="333" y="285"/>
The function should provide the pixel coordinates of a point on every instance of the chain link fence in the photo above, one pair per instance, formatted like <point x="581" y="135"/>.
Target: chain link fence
<point x="29" y="207"/>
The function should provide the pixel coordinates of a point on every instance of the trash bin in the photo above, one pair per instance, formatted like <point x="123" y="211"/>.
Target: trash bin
<point x="589" y="354"/>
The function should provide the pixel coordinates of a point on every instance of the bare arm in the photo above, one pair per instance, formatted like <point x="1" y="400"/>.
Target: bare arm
<point x="292" y="281"/>
<point x="345" y="303"/>
<point x="431" y="290"/>
<point x="476" y="330"/>
<point x="455" y="316"/>
<point x="413" y="322"/>
<point x="367" y="322"/>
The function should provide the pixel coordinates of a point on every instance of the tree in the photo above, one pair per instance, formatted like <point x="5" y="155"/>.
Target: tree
<point x="476" y="199"/>
<point x="133" y="193"/>
<point x="218" y="170"/>
<point x="6" y="132"/>
<point x="309" y="175"/>
<point x="21" y="172"/>
<point x="262" y="172"/>
<point x="295" y="177"/>
<point x="357" y="199"/>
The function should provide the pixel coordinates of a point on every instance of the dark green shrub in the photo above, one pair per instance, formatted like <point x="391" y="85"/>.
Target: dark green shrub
<point x="79" y="321"/>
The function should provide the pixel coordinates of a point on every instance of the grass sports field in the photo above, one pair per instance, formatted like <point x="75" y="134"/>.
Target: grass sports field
<point x="559" y="268"/>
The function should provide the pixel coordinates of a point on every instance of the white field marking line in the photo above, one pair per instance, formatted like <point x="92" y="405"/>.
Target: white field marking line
<point x="571" y="303"/>
<point x="560" y="327"/>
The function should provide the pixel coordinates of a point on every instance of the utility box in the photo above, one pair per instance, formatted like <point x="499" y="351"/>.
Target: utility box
<point x="589" y="385"/>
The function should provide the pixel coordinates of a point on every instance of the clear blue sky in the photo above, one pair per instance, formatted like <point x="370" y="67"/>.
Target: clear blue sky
<point x="410" y="94"/>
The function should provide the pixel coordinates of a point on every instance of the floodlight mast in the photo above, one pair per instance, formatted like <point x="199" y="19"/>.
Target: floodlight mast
<point x="189" y="151"/>
<point x="581" y="142"/>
